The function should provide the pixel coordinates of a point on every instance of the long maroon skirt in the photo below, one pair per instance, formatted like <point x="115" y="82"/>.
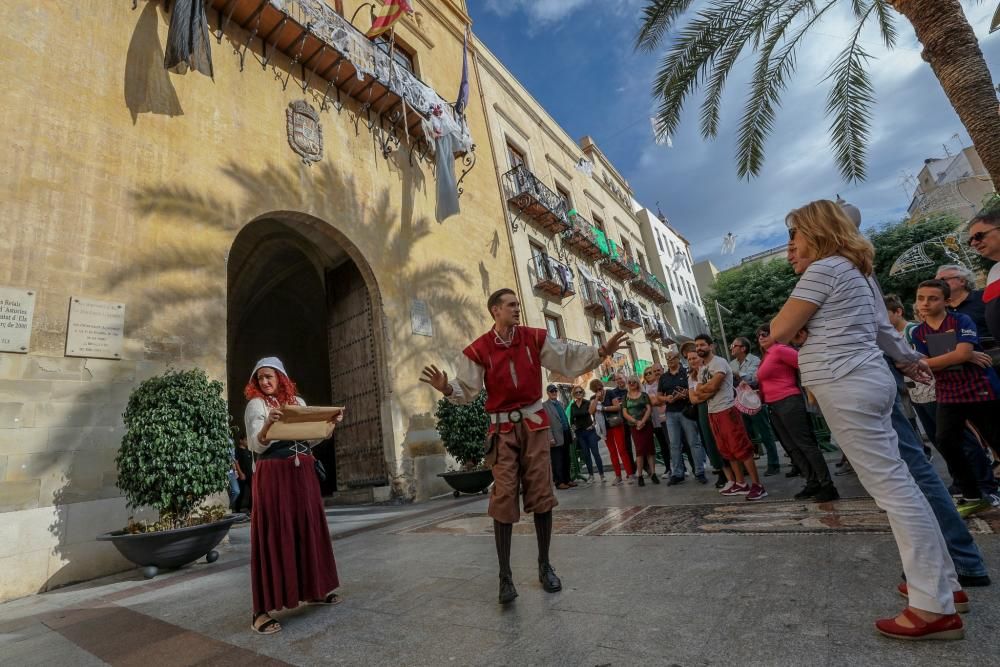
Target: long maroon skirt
<point x="643" y="441"/>
<point x="291" y="555"/>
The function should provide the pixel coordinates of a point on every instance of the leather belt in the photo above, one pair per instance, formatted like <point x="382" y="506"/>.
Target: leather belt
<point x="516" y="416"/>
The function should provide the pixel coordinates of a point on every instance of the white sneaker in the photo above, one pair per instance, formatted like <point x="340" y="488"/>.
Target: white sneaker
<point x="993" y="499"/>
<point x="590" y="479"/>
<point x="603" y="480"/>
<point x="618" y="482"/>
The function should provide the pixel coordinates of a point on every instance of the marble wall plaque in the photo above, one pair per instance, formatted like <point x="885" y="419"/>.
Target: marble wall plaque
<point x="17" y="307"/>
<point x="420" y="318"/>
<point x="96" y="329"/>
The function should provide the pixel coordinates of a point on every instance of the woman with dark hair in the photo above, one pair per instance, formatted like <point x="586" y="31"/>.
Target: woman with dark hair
<point x="291" y="556"/>
<point x="841" y="363"/>
<point x="777" y="378"/>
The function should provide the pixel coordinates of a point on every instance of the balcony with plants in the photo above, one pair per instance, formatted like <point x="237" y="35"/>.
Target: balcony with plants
<point x="648" y="285"/>
<point x="617" y="263"/>
<point x="583" y="238"/>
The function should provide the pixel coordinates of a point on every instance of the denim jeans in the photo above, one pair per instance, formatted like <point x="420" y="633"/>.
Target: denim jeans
<point x="586" y="440"/>
<point x="964" y="552"/>
<point x="676" y="422"/>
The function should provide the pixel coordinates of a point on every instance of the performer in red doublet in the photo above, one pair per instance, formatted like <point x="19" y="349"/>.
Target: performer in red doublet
<point x="508" y="362"/>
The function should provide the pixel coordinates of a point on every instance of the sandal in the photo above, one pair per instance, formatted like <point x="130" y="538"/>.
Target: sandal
<point x="945" y="627"/>
<point x="268" y="627"/>
<point x="331" y="599"/>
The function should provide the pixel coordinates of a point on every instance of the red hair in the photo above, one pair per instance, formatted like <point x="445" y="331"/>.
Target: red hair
<point x="285" y="395"/>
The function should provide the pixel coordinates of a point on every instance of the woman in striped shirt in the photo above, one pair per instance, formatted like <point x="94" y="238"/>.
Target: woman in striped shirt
<point x="842" y="365"/>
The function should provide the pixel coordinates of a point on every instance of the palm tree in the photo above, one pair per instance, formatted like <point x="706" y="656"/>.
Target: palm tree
<point x="705" y="50"/>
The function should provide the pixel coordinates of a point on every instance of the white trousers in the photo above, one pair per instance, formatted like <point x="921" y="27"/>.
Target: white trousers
<point x="858" y="410"/>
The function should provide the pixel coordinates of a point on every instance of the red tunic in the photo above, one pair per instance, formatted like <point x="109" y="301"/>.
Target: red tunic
<point x="512" y="375"/>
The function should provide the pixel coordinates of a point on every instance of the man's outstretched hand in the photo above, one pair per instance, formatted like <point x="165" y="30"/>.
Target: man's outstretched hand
<point x="617" y="342"/>
<point x="436" y="378"/>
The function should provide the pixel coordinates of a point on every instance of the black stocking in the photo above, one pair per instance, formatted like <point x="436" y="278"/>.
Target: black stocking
<point x="543" y="531"/>
<point x="502" y="533"/>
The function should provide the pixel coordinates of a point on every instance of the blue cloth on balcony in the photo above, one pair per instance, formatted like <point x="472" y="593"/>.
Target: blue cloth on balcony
<point x="187" y="39"/>
<point x="447" y="188"/>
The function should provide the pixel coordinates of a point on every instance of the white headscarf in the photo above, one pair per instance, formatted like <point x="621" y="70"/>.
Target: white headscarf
<point x="269" y="362"/>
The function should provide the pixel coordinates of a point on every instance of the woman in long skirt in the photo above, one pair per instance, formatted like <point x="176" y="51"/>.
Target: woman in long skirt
<point x="291" y="556"/>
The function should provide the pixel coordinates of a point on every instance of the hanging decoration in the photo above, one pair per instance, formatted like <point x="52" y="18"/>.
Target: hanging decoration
<point x="729" y="244"/>
<point x="463" y="87"/>
<point x="660" y="136"/>
<point x="954" y="246"/>
<point x="585" y="167"/>
<point x="187" y="39"/>
<point x="678" y="262"/>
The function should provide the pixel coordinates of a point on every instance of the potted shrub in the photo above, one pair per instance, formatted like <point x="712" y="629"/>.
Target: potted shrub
<point x="176" y="452"/>
<point x="463" y="430"/>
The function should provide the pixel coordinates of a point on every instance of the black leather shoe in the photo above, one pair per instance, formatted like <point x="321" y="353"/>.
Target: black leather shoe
<point x="507" y="590"/>
<point x="546" y="575"/>
<point x="969" y="581"/>
<point x="794" y="472"/>
<point x="827" y="494"/>
<point x="808" y="491"/>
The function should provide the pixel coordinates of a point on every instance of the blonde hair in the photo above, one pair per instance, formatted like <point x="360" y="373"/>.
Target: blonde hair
<point x="829" y="232"/>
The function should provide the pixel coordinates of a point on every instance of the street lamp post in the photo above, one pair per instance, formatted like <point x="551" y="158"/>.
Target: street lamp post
<point x="722" y="329"/>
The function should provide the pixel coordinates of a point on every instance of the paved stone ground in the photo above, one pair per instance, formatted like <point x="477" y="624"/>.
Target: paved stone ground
<point x="779" y="584"/>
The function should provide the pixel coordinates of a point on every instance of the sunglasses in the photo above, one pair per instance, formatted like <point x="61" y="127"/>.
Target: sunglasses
<point x="763" y="334"/>
<point x="979" y="236"/>
<point x="791" y="233"/>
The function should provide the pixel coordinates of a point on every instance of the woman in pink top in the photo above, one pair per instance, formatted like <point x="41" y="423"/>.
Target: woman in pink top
<point x="779" y="389"/>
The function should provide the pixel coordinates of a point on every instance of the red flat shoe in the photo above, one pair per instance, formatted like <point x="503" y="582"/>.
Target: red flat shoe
<point x="961" y="599"/>
<point x="946" y="627"/>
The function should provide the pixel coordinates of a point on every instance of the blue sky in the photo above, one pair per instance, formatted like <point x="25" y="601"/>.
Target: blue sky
<point x="576" y="58"/>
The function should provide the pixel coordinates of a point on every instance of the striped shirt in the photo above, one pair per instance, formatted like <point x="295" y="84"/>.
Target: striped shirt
<point x="842" y="331"/>
<point x="969" y="383"/>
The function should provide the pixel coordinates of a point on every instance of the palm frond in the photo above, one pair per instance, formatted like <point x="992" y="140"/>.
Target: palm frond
<point x="752" y="25"/>
<point x="886" y="22"/>
<point x="769" y="80"/>
<point x="657" y="18"/>
<point x="850" y="103"/>
<point x="690" y="57"/>
<point x="858" y="7"/>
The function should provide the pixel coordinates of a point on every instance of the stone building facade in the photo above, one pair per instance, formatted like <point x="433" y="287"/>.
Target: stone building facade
<point x="582" y="264"/>
<point x="180" y="197"/>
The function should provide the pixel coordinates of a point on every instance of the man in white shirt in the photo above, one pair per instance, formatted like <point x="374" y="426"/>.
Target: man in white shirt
<point x="715" y="385"/>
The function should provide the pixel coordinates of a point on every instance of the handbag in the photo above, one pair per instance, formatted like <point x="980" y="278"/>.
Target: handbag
<point x="690" y="411"/>
<point x="320" y="470"/>
<point x="612" y="419"/>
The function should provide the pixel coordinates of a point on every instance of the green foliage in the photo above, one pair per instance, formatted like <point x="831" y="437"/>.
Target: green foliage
<point x="893" y="239"/>
<point x="176" y="448"/>
<point x="754" y="292"/>
<point x="463" y="429"/>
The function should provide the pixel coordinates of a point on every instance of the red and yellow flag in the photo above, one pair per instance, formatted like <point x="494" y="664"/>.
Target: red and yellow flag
<point x="390" y="12"/>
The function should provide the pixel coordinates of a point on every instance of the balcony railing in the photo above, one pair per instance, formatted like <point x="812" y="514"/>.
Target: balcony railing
<point x="650" y="286"/>
<point x="550" y="276"/>
<point x="629" y="315"/>
<point x="582" y="237"/>
<point x="535" y="200"/>
<point x="329" y="54"/>
<point x="618" y="263"/>
<point x="652" y="329"/>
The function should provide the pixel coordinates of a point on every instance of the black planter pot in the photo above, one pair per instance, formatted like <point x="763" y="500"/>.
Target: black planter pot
<point x="468" y="481"/>
<point x="168" y="549"/>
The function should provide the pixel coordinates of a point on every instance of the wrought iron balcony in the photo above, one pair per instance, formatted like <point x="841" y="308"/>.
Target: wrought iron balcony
<point x="593" y="302"/>
<point x="581" y="238"/>
<point x="550" y="276"/>
<point x="620" y="266"/>
<point x="652" y="329"/>
<point x="629" y="315"/>
<point x="534" y="200"/>
<point x="648" y="285"/>
<point x="333" y="57"/>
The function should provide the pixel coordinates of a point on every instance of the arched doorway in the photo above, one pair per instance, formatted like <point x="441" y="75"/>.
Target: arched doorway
<point x="296" y="292"/>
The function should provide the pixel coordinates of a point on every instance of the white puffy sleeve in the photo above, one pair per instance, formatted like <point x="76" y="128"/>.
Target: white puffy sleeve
<point x="253" y="419"/>
<point x="569" y="359"/>
<point x="468" y="381"/>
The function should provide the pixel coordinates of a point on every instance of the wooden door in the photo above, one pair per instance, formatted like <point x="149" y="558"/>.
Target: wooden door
<point x="354" y="380"/>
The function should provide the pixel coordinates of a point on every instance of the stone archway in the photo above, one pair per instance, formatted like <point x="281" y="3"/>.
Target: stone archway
<point x="299" y="290"/>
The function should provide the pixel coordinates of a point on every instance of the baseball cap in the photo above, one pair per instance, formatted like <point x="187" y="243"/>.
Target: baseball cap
<point x="552" y="387"/>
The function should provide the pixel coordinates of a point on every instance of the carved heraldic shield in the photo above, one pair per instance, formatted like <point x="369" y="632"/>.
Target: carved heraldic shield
<point x="305" y="134"/>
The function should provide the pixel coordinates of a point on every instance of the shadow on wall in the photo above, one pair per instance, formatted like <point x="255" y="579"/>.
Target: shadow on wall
<point x="147" y="85"/>
<point x="176" y="282"/>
